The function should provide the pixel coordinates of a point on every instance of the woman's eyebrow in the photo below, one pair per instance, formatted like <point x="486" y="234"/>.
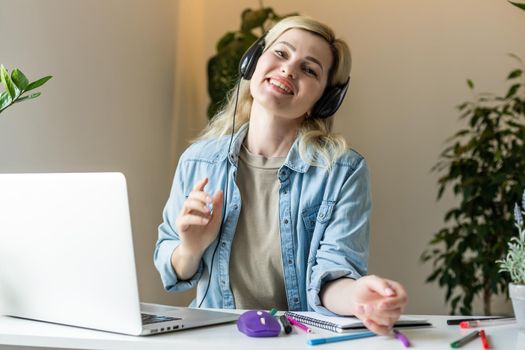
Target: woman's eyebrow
<point x="309" y="58"/>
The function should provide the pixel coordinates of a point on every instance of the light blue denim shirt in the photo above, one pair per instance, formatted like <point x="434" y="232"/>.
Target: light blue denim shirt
<point x="324" y="223"/>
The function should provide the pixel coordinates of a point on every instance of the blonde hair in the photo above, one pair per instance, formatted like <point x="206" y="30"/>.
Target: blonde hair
<point x="318" y="146"/>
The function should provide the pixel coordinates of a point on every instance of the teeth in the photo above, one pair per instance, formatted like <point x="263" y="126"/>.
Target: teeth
<point x="279" y="85"/>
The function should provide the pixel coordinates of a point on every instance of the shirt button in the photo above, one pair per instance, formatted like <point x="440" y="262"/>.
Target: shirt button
<point x="223" y="244"/>
<point x="290" y="261"/>
<point x="321" y="215"/>
<point x="286" y="221"/>
<point x="235" y="207"/>
<point x="296" y="300"/>
<point x="285" y="191"/>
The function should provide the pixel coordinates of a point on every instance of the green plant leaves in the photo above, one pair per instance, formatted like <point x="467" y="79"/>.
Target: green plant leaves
<point x="5" y="100"/>
<point x="254" y="18"/>
<point x="16" y="85"/>
<point x="8" y="83"/>
<point x="19" y="79"/>
<point x="516" y="73"/>
<point x="512" y="90"/>
<point x="521" y="6"/>
<point x="38" y="83"/>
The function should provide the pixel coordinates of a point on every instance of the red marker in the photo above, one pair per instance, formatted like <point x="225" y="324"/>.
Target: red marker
<point x="484" y="340"/>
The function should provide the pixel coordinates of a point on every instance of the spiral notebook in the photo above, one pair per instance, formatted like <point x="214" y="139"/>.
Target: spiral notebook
<point x="348" y="324"/>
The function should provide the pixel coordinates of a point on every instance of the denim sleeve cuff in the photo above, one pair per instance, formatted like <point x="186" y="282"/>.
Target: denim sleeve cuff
<point x="314" y="300"/>
<point x="169" y="277"/>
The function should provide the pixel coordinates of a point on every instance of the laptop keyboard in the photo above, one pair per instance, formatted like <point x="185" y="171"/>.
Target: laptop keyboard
<point x="149" y="318"/>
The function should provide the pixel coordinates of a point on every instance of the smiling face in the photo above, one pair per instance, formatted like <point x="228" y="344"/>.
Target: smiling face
<point x="292" y="73"/>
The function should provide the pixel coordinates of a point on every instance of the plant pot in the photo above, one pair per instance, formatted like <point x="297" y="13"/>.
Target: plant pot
<point x="517" y="294"/>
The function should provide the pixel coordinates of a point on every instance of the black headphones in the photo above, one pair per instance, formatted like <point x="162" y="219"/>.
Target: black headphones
<point x="325" y="107"/>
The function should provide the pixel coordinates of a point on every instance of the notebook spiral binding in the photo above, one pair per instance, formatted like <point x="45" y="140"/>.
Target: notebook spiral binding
<point x="313" y="322"/>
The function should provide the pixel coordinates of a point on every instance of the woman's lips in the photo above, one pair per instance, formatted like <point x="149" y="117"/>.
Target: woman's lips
<point x="282" y="84"/>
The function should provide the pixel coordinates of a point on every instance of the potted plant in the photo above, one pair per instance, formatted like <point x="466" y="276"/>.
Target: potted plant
<point x="514" y="265"/>
<point x="16" y="85"/>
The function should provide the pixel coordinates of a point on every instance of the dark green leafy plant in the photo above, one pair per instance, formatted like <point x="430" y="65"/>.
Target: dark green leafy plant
<point x="521" y="6"/>
<point x="223" y="67"/>
<point x="16" y="86"/>
<point x="484" y="165"/>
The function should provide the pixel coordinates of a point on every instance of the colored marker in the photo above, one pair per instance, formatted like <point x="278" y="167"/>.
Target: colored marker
<point x="484" y="340"/>
<point x="352" y="336"/>
<point x="286" y="324"/>
<point x="402" y="338"/>
<point x="481" y="323"/>
<point x="460" y="342"/>
<point x="299" y="324"/>
<point x="273" y="311"/>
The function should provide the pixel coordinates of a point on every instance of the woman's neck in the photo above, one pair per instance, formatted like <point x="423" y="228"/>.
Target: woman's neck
<point x="268" y="135"/>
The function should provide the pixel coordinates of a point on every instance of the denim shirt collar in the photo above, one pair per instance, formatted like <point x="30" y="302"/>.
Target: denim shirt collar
<point x="293" y="159"/>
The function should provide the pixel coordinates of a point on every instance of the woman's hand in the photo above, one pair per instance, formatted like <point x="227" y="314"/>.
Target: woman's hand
<point x="376" y="301"/>
<point x="197" y="227"/>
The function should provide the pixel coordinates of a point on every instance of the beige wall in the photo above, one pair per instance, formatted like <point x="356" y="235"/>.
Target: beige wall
<point x="114" y="104"/>
<point x="108" y="106"/>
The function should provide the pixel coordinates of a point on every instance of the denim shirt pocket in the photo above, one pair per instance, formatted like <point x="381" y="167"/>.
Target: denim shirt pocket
<point x="309" y="216"/>
<point x="317" y="214"/>
<point x="325" y="212"/>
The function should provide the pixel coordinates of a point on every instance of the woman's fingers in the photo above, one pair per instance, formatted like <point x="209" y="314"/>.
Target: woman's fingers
<point x="380" y="286"/>
<point x="185" y="221"/>
<point x="386" y="318"/>
<point x="199" y="186"/>
<point x="194" y="206"/>
<point x="203" y="197"/>
<point x="377" y="328"/>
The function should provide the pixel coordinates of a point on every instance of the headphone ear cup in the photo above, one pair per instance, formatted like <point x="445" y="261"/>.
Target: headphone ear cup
<point x="330" y="102"/>
<point x="249" y="59"/>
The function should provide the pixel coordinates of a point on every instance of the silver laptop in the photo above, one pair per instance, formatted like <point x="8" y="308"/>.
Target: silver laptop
<point x="66" y="256"/>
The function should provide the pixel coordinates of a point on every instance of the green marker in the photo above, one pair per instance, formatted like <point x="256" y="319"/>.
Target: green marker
<point x="459" y="343"/>
<point x="273" y="311"/>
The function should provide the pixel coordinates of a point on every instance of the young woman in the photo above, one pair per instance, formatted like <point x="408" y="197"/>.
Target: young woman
<point x="294" y="235"/>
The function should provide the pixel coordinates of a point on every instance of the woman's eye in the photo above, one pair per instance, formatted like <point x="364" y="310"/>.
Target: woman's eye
<point x="280" y="53"/>
<point x="310" y="71"/>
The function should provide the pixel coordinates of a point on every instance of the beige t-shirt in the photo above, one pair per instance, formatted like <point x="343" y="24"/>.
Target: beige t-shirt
<point x="256" y="269"/>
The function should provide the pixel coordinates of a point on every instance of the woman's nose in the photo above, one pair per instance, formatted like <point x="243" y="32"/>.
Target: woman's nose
<point x="288" y="69"/>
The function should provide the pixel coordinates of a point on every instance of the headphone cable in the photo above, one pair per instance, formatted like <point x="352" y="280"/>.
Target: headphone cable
<point x="225" y="201"/>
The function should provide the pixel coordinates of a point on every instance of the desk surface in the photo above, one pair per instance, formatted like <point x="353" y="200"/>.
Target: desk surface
<point x="31" y="333"/>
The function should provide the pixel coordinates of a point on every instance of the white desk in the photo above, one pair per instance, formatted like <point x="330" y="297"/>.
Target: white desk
<point x="30" y="333"/>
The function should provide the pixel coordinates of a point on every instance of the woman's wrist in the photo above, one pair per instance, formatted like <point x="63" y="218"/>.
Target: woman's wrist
<point x="185" y="261"/>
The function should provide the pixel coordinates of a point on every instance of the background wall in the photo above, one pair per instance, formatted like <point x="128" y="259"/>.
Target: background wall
<point x="129" y="91"/>
<point x="109" y="106"/>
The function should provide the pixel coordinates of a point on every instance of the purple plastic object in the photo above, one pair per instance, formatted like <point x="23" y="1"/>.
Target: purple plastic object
<point x="258" y="323"/>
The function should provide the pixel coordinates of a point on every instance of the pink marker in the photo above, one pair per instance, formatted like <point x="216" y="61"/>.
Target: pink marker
<point x="299" y="324"/>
